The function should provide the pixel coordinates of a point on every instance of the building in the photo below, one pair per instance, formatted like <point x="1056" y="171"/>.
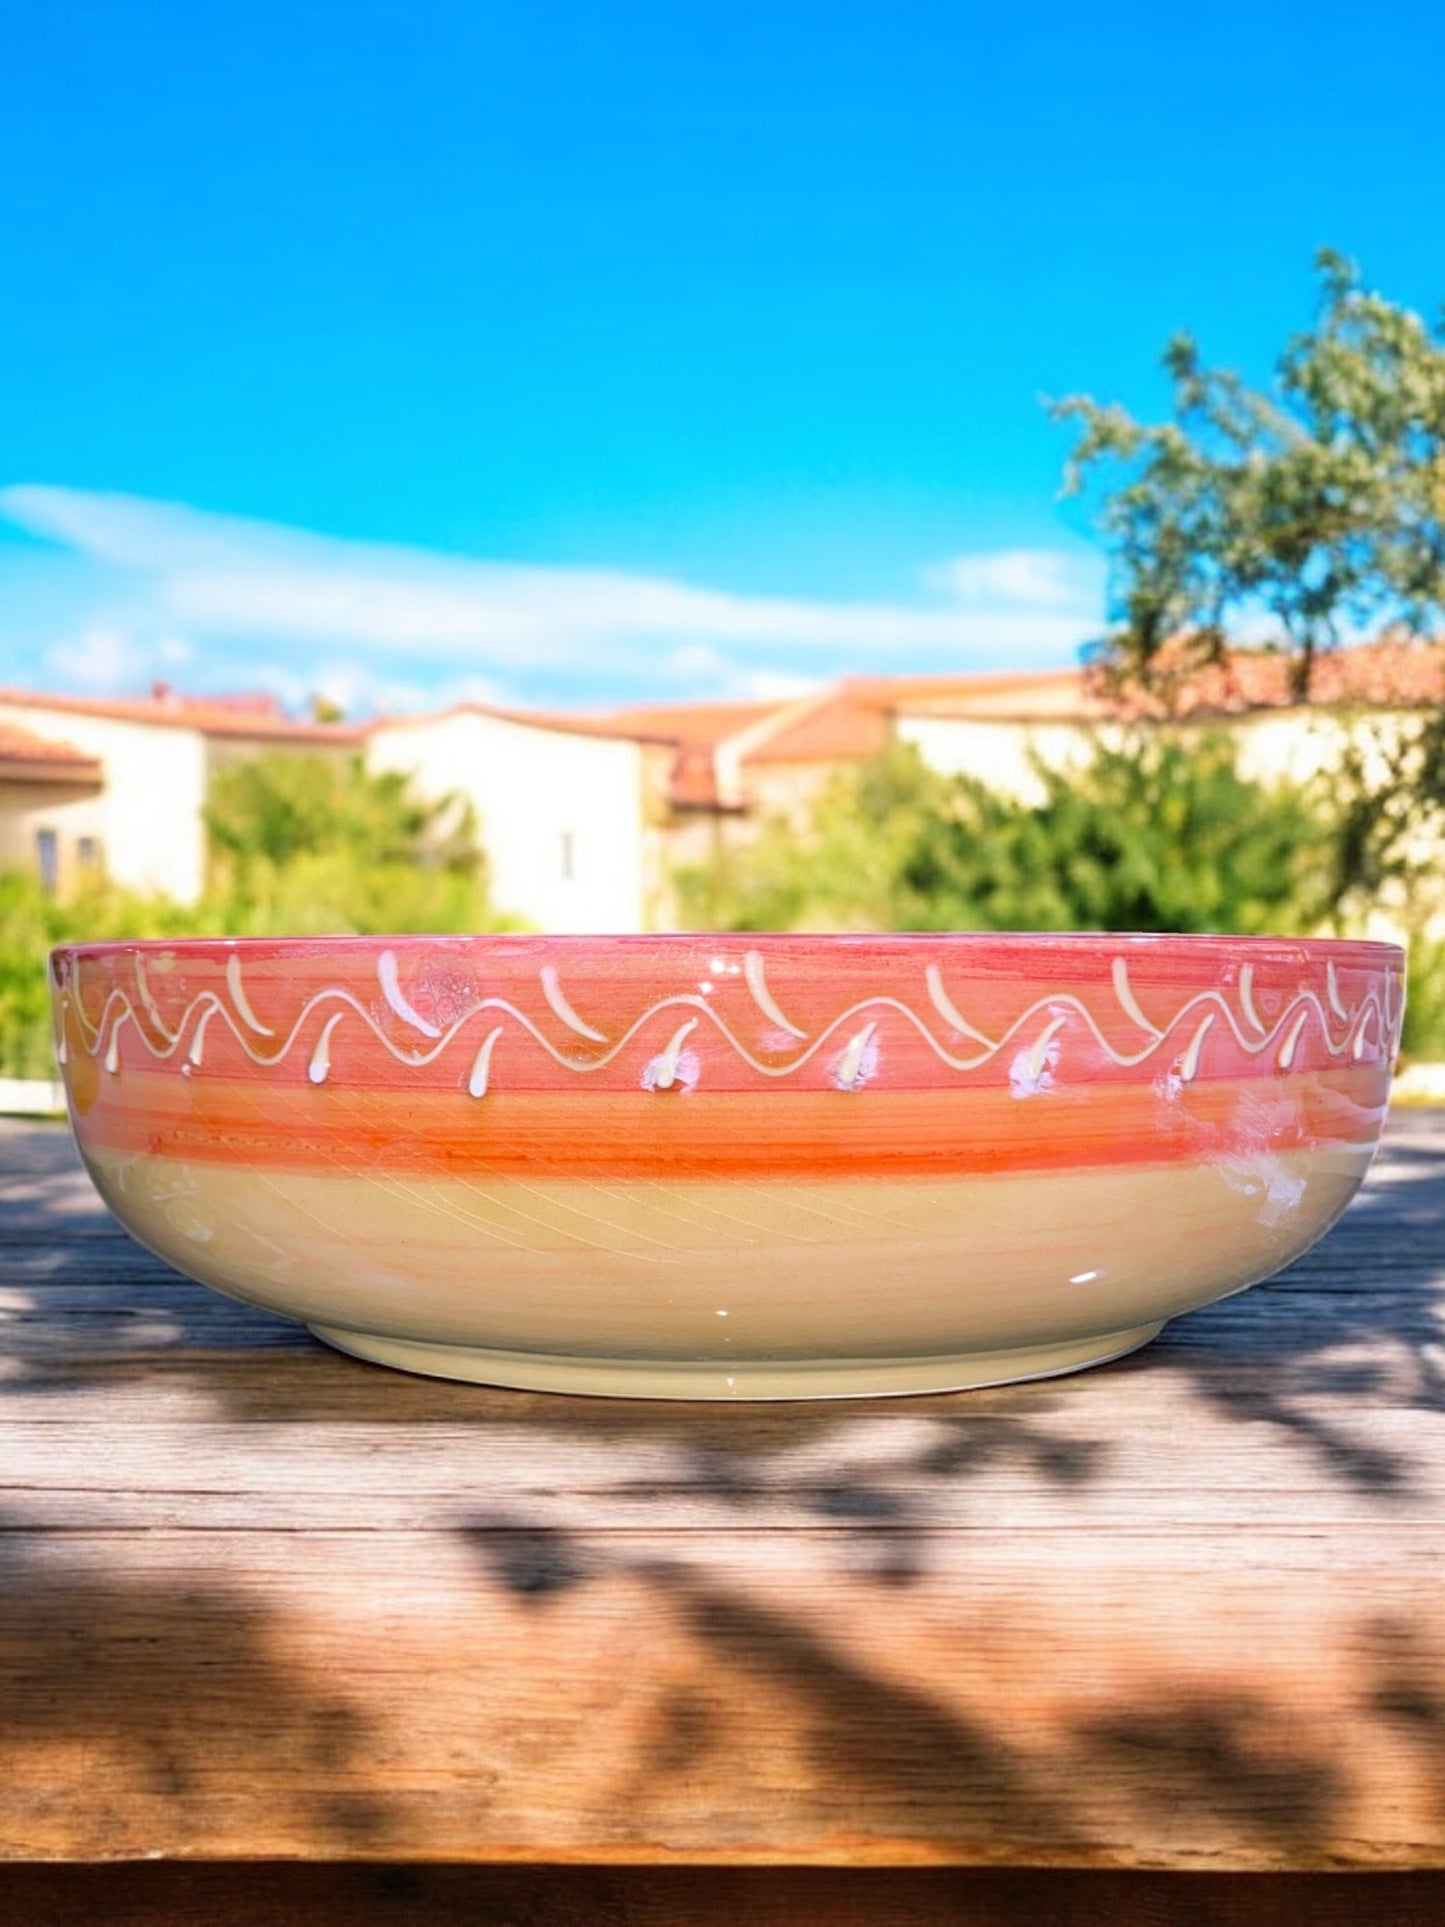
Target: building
<point x="121" y="784"/>
<point x="736" y="765"/>
<point x="1000" y="728"/>
<point x="50" y="796"/>
<point x="570" y="810"/>
<point x="586" y="819"/>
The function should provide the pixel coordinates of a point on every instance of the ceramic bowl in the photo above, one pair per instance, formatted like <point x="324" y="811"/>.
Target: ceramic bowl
<point x="764" y="1167"/>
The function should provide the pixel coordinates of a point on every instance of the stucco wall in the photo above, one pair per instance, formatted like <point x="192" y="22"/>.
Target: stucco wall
<point x="1289" y="745"/>
<point x="561" y="816"/>
<point x="72" y="811"/>
<point x="999" y="754"/>
<point x="148" y="817"/>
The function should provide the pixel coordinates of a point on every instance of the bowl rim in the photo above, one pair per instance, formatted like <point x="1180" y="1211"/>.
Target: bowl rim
<point x="1361" y="951"/>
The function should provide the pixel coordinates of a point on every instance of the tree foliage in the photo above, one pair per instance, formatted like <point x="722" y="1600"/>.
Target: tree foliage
<point x="1316" y="507"/>
<point x="1157" y="831"/>
<point x="306" y="845"/>
<point x="1318" y="504"/>
<point x="1383" y="805"/>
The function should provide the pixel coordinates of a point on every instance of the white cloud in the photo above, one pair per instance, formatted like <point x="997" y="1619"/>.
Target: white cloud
<point x="102" y="657"/>
<point x="1031" y="579"/>
<point x="357" y="688"/>
<point x="772" y="686"/>
<point x="701" y="666"/>
<point x="428" y="619"/>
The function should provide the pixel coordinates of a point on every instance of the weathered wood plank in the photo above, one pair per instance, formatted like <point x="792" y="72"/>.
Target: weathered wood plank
<point x="408" y="1895"/>
<point x="530" y="1692"/>
<point x="520" y="1691"/>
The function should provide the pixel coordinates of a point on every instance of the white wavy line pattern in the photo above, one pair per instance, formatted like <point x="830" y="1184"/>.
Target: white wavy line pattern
<point x="556" y="997"/>
<point x="757" y="982"/>
<point x="386" y="976"/>
<point x="1381" y="1007"/>
<point x="239" y="998"/>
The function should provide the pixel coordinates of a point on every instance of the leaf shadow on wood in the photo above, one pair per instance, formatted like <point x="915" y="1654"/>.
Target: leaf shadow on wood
<point x="865" y="1738"/>
<point x="1184" y="1751"/>
<point x="1220" y="1752"/>
<point x="1354" y="1326"/>
<point x="1195" y="1762"/>
<point x="162" y="1695"/>
<point x="962" y="1777"/>
<point x="1407" y="1688"/>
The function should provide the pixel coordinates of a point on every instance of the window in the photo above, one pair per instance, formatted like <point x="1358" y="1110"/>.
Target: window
<point x="87" y="852"/>
<point x="569" y="856"/>
<point x="47" y="857"/>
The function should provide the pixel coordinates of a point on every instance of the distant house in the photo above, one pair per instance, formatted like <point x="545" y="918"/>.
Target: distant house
<point x="753" y="760"/>
<point x="1361" y="701"/>
<point x="735" y="765"/>
<point x="585" y="819"/>
<point x="570" y="809"/>
<point x="121" y="784"/>
<point x="772" y="759"/>
<point x="997" y="728"/>
<point x="706" y="787"/>
<point x="49" y="807"/>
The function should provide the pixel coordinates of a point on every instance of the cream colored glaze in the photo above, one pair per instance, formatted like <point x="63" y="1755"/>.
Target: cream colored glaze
<point x="736" y="1271"/>
<point x="807" y="1378"/>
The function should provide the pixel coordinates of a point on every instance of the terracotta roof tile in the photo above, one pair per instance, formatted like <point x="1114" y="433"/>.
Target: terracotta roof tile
<point x="987" y="686"/>
<point x="21" y="744"/>
<point x="853" y="721"/>
<point x="848" y="725"/>
<point x="694" y="723"/>
<point x="1063" y="695"/>
<point x="693" y="783"/>
<point x="42" y="759"/>
<point x="699" y="731"/>
<point x="1381" y="675"/>
<point x="567" y="722"/>
<point x="249" y="718"/>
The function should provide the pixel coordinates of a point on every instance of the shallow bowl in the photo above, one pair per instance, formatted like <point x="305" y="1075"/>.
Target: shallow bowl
<point x="767" y="1167"/>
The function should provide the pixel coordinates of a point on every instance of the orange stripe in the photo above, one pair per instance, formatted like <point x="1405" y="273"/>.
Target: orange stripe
<point x="809" y="1133"/>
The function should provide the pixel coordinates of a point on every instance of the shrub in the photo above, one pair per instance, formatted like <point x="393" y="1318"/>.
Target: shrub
<point x="1157" y="833"/>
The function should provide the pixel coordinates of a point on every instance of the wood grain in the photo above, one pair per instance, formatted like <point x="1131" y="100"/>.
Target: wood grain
<point x="258" y="1601"/>
<point x="288" y="1895"/>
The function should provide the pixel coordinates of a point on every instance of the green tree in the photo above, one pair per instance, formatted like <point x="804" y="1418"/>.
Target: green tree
<point x="1156" y="831"/>
<point x="305" y="845"/>
<point x="1317" y="507"/>
<point x="1383" y="806"/>
<point x="1317" y="504"/>
<point x="842" y="872"/>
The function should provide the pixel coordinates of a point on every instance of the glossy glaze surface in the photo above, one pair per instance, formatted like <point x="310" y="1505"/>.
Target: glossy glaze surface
<point x="729" y="1168"/>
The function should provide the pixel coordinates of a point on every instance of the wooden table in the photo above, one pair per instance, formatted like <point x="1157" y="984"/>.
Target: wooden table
<point x="502" y="1656"/>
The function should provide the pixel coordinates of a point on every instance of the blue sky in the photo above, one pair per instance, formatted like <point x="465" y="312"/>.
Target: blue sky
<point x="571" y="353"/>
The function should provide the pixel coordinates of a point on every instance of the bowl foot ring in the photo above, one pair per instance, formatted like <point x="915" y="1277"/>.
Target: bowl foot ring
<point x="726" y="1379"/>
